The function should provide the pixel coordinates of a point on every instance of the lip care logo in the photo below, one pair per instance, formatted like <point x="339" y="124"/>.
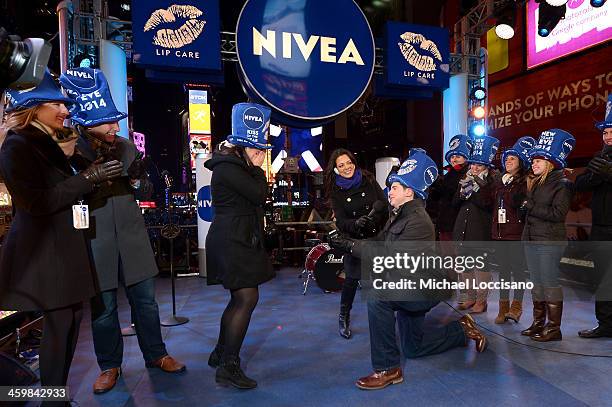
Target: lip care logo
<point x="423" y="61"/>
<point x="175" y="39"/>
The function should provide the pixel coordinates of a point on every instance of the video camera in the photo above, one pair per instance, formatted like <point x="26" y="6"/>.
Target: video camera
<point x="22" y="63"/>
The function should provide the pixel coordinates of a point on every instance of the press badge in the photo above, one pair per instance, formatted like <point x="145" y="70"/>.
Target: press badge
<point x="80" y="216"/>
<point x="501" y="215"/>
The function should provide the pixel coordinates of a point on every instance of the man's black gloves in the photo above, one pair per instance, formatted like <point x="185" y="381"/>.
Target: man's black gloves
<point x="137" y="169"/>
<point x="100" y="172"/>
<point x="344" y="244"/>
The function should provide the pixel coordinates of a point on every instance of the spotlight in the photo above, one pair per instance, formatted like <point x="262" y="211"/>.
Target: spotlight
<point x="505" y="22"/>
<point x="549" y="17"/>
<point x="478" y="129"/>
<point x="478" y="93"/>
<point x="478" y="112"/>
<point x="597" y="3"/>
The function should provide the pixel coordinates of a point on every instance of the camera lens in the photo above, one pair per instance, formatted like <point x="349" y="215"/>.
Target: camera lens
<point x="14" y="57"/>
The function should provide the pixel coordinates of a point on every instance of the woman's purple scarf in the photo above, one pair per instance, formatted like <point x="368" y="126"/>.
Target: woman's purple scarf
<point x="348" y="183"/>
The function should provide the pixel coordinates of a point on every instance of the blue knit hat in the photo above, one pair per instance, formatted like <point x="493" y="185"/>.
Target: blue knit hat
<point x="459" y="145"/>
<point x="554" y="145"/>
<point x="90" y="89"/>
<point x="418" y="172"/>
<point x="521" y="150"/>
<point x="607" y="122"/>
<point x="46" y="91"/>
<point x="250" y="126"/>
<point x="484" y="150"/>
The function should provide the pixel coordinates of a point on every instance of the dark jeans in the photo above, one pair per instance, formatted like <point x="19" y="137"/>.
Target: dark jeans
<point x="108" y="342"/>
<point x="543" y="263"/>
<point x="603" y="268"/>
<point x="513" y="268"/>
<point x="414" y="341"/>
<point x="60" y="336"/>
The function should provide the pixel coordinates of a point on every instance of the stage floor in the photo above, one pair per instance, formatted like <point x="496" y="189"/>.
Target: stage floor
<point x="294" y="352"/>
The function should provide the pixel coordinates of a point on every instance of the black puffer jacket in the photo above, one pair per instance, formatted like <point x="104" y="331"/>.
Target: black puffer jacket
<point x="545" y="221"/>
<point x="235" y="252"/>
<point x="601" y="205"/>
<point x="441" y="196"/>
<point x="475" y="213"/>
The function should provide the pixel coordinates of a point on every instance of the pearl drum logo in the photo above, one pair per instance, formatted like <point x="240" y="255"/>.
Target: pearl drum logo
<point x="184" y="35"/>
<point x="180" y="35"/>
<point x="309" y="61"/>
<point x="417" y="55"/>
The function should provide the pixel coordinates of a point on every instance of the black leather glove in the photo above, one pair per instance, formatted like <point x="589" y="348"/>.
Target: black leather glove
<point x="344" y="244"/>
<point x="137" y="169"/>
<point x="365" y="223"/>
<point x="600" y="166"/>
<point x="100" y="172"/>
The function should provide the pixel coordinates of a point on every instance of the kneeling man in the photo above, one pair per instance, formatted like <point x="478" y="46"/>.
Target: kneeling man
<point x="408" y="222"/>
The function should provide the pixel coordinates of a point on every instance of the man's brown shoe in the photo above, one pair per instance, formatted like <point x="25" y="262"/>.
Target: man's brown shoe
<point x="471" y="331"/>
<point x="107" y="380"/>
<point x="380" y="380"/>
<point x="168" y="364"/>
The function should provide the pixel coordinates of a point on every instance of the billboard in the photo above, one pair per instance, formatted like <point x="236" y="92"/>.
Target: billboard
<point x="584" y="26"/>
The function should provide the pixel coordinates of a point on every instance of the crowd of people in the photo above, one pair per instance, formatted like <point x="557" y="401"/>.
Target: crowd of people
<point x="78" y="233"/>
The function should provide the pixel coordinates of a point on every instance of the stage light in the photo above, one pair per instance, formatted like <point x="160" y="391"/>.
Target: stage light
<point x="478" y="112"/>
<point x="597" y="3"/>
<point x="478" y="129"/>
<point x="478" y="93"/>
<point x="549" y="17"/>
<point x="506" y="19"/>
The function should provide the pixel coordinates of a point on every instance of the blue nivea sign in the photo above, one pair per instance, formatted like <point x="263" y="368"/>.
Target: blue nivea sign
<point x="205" y="208"/>
<point x="308" y="60"/>
<point x="417" y="55"/>
<point x="180" y="34"/>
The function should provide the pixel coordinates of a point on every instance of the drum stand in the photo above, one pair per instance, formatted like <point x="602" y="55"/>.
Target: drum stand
<point x="308" y="275"/>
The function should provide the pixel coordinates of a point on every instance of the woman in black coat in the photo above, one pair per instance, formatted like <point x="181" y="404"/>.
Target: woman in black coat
<point x="549" y="195"/>
<point x="474" y="198"/>
<point x="352" y="193"/>
<point x="44" y="264"/>
<point x="235" y="248"/>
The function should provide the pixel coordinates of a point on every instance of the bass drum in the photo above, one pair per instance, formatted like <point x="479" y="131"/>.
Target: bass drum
<point x="326" y="265"/>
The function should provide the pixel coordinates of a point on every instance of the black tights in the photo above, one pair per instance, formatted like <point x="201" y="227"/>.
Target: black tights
<point x="235" y="320"/>
<point x="349" y="289"/>
<point x="60" y="336"/>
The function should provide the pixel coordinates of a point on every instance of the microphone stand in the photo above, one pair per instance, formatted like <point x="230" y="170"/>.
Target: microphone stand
<point x="170" y="231"/>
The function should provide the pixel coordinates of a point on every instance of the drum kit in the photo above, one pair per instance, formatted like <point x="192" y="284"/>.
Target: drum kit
<point x="324" y="266"/>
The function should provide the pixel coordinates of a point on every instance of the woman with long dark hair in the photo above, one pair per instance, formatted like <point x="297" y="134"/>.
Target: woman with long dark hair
<point x="44" y="264"/>
<point x="235" y="242"/>
<point x="549" y="195"/>
<point x="352" y="193"/>
<point x="510" y="191"/>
